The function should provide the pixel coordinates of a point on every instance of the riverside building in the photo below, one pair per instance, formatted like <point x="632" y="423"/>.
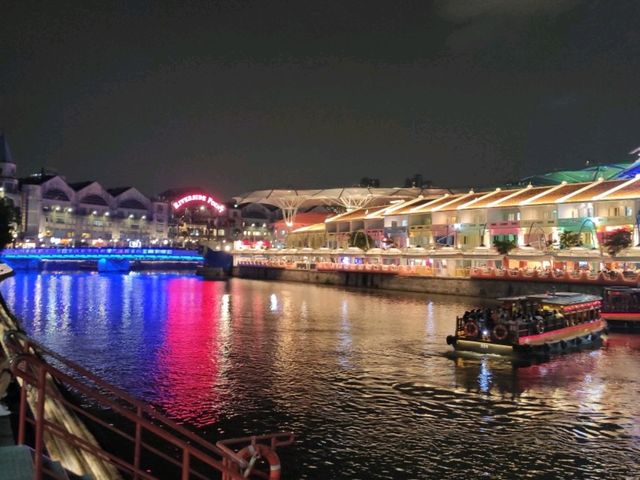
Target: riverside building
<point x="54" y="212"/>
<point x="453" y="233"/>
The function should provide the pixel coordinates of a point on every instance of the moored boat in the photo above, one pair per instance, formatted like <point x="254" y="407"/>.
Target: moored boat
<point x="531" y="324"/>
<point x="621" y="307"/>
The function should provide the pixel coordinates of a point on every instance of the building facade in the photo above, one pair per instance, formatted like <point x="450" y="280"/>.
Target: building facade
<point x="54" y="212"/>
<point x="529" y="216"/>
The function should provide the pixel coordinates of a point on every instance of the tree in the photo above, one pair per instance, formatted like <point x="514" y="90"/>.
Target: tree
<point x="361" y="240"/>
<point x="8" y="219"/>
<point x="367" y="182"/>
<point x="617" y="241"/>
<point x="570" y="239"/>
<point x="504" y="246"/>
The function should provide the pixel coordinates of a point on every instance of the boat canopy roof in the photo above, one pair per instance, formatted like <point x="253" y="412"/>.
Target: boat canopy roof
<point x="557" y="298"/>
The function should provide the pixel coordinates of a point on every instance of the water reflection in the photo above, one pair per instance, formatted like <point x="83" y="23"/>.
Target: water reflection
<point x="365" y="378"/>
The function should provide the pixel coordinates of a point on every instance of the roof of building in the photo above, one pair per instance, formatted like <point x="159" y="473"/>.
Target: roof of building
<point x="306" y="218"/>
<point x="77" y="186"/>
<point x="37" y="179"/>
<point x="588" y="174"/>
<point x="359" y="214"/>
<point x="118" y="190"/>
<point x="516" y="197"/>
<point x="316" y="227"/>
<point x="346" y="196"/>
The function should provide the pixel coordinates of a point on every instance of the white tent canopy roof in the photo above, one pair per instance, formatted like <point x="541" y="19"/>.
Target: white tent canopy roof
<point x="352" y="198"/>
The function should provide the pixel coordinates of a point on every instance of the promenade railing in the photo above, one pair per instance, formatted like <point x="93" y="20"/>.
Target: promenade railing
<point x="149" y="445"/>
<point x="485" y="273"/>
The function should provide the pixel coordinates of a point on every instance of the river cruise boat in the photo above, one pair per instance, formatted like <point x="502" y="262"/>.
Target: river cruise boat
<point x="531" y="324"/>
<point x="621" y="307"/>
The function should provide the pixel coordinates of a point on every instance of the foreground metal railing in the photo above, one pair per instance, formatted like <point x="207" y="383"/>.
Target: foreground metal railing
<point x="143" y="443"/>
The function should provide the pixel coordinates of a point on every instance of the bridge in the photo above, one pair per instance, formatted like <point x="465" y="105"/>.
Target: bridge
<point x="101" y="259"/>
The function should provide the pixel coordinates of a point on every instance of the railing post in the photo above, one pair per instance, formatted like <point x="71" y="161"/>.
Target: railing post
<point x="23" y="413"/>
<point x="225" y="463"/>
<point x="185" y="464"/>
<point x="138" y="442"/>
<point x="40" y="421"/>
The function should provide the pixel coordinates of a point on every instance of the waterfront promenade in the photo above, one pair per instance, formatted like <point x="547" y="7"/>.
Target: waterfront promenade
<point x="473" y="284"/>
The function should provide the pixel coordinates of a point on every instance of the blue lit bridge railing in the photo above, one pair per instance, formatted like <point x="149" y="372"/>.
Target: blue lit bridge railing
<point x="151" y="254"/>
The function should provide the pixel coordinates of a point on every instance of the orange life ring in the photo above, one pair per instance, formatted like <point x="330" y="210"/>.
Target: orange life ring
<point x="264" y="453"/>
<point x="500" y="332"/>
<point x="471" y="329"/>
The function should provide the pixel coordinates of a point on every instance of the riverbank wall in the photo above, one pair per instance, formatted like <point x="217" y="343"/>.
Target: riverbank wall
<point x="473" y="287"/>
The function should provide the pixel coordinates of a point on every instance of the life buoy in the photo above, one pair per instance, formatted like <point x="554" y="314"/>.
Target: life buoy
<point x="471" y="329"/>
<point x="262" y="453"/>
<point x="500" y="332"/>
<point x="540" y="326"/>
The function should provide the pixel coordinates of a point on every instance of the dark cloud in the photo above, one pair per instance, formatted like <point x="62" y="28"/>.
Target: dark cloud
<point x="466" y="10"/>
<point x="237" y="95"/>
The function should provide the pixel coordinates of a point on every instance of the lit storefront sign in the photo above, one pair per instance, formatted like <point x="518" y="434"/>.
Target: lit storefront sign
<point x="197" y="198"/>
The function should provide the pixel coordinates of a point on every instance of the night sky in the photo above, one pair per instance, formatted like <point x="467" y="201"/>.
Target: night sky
<point x="241" y="95"/>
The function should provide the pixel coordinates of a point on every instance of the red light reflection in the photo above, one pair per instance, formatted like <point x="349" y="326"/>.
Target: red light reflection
<point x="190" y="356"/>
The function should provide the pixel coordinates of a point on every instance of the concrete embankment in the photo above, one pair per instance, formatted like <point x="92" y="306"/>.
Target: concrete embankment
<point x="386" y="281"/>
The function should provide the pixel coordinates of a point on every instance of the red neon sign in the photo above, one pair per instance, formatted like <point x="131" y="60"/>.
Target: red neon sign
<point x="198" y="198"/>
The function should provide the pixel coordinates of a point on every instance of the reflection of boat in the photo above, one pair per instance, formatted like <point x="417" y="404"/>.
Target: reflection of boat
<point x="532" y="324"/>
<point x="621" y="306"/>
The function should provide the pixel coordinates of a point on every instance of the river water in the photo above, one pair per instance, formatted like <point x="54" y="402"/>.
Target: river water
<point x="365" y="379"/>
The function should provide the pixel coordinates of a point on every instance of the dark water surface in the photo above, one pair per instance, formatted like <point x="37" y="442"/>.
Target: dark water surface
<point x="364" y="379"/>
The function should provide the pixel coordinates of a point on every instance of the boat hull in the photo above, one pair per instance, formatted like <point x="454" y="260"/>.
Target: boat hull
<point x="541" y="344"/>
<point x="630" y="320"/>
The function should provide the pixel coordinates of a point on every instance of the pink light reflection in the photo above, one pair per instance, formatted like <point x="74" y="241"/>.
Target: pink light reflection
<point x="189" y="360"/>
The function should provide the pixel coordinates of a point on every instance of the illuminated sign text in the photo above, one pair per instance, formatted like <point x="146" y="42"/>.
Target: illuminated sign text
<point x="197" y="198"/>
